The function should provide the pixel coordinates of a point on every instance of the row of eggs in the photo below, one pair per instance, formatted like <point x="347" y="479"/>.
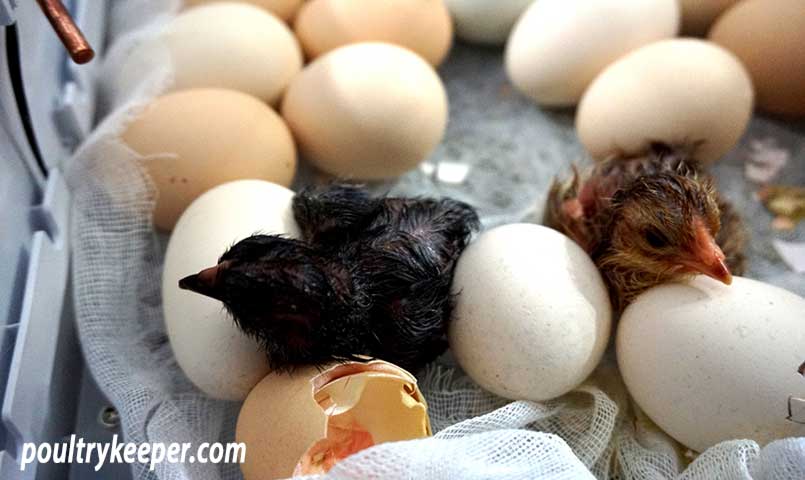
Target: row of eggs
<point x="375" y="110"/>
<point x="706" y="362"/>
<point x="359" y="100"/>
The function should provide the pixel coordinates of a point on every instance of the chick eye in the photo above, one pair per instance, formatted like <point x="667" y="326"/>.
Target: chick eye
<point x="656" y="239"/>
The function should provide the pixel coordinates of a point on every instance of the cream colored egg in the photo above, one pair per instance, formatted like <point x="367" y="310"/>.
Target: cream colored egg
<point x="284" y="9"/>
<point x="196" y="139"/>
<point x="367" y="111"/>
<point x="423" y="26"/>
<point x="558" y="46"/>
<point x="485" y="22"/>
<point x="209" y="348"/>
<point x="673" y="91"/>
<point x="278" y="422"/>
<point x="224" y="45"/>
<point x="768" y="36"/>
<point x="698" y="15"/>
<point x="709" y="362"/>
<point x="532" y="317"/>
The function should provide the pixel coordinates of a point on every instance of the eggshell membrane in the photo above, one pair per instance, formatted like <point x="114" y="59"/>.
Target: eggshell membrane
<point x="228" y="45"/>
<point x="485" y="22"/>
<point x="219" y="359"/>
<point x="367" y="111"/>
<point x="699" y="15"/>
<point x="558" y="47"/>
<point x="284" y="9"/>
<point x="423" y="26"/>
<point x="709" y="362"/>
<point x="532" y="316"/>
<point x="278" y="422"/>
<point x="674" y="91"/>
<point x="196" y="139"/>
<point x="768" y="36"/>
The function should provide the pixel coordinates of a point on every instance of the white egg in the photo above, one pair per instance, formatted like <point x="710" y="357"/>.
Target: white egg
<point x="676" y="91"/>
<point x="227" y="45"/>
<point x="485" y="22"/>
<point x="211" y="351"/>
<point x="709" y="362"/>
<point x="558" y="46"/>
<point x="532" y="317"/>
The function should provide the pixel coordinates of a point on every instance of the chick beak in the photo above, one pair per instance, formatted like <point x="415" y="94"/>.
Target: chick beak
<point x="707" y="257"/>
<point x="204" y="282"/>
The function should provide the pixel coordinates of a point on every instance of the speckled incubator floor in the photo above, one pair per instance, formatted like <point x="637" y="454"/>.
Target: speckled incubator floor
<point x="501" y="152"/>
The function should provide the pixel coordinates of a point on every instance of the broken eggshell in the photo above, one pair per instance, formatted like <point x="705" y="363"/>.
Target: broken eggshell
<point x="365" y="404"/>
<point x="278" y="422"/>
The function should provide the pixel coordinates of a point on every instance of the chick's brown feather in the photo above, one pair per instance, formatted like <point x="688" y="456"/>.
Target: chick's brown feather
<point x="649" y="219"/>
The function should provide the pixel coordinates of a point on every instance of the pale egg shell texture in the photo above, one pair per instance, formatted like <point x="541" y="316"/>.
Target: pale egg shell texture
<point x="423" y="26"/>
<point x="532" y="316"/>
<point x="768" y="36"/>
<point x="284" y="9"/>
<point x="278" y="422"/>
<point x="673" y="91"/>
<point x="219" y="359"/>
<point x="196" y="139"/>
<point x="228" y="45"/>
<point x="558" y="47"/>
<point x="367" y="111"/>
<point x="709" y="362"/>
<point x="485" y="22"/>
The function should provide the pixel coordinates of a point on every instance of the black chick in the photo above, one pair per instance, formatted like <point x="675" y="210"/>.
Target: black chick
<point x="370" y="276"/>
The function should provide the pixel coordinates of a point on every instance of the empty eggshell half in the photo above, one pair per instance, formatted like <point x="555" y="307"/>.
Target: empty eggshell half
<point x="224" y="45"/>
<point x="367" y="111"/>
<point x="558" y="47"/>
<point x="284" y="9"/>
<point x="532" y="315"/>
<point x="768" y="36"/>
<point x="196" y="139"/>
<point x="710" y="363"/>
<point x="423" y="26"/>
<point x="485" y="22"/>
<point x="219" y="359"/>
<point x="674" y="91"/>
<point x="278" y="422"/>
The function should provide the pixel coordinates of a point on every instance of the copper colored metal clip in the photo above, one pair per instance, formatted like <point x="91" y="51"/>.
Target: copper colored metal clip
<point x="69" y="33"/>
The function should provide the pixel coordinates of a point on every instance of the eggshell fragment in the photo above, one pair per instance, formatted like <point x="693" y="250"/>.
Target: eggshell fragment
<point x="423" y="26"/>
<point x="709" y="362"/>
<point x="209" y="348"/>
<point x="284" y="9"/>
<point x="278" y="422"/>
<point x="367" y="111"/>
<point x="768" y="36"/>
<point x="224" y="45"/>
<point x="674" y="91"/>
<point x="366" y="404"/>
<point x="558" y="47"/>
<point x="532" y="317"/>
<point x="485" y="22"/>
<point x="196" y="139"/>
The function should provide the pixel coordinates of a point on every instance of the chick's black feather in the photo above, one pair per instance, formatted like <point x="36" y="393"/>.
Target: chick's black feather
<point x="369" y="277"/>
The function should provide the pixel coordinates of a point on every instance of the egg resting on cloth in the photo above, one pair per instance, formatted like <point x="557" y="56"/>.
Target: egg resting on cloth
<point x="371" y="277"/>
<point x="365" y="404"/>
